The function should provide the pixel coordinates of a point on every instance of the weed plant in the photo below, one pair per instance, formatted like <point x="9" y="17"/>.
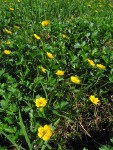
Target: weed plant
<point x="56" y="71"/>
<point x="107" y="147"/>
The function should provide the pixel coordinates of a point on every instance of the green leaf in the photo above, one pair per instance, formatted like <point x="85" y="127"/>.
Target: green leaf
<point x="111" y="140"/>
<point x="4" y="104"/>
<point x="60" y="105"/>
<point x="10" y="129"/>
<point x="2" y="71"/>
<point x="3" y="148"/>
<point x="77" y="45"/>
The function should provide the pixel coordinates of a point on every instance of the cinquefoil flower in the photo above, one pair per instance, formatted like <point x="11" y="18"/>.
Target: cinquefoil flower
<point x="43" y="69"/>
<point x="41" y="102"/>
<point x="36" y="37"/>
<point x="8" y="42"/>
<point x="75" y="79"/>
<point x="50" y="55"/>
<point x="59" y="73"/>
<point x="94" y="100"/>
<point x="45" y="132"/>
<point x="7" y="31"/>
<point x="7" y="52"/>
<point x="91" y="62"/>
<point x="100" y="66"/>
<point x="64" y="36"/>
<point x="45" y="23"/>
<point x="11" y="9"/>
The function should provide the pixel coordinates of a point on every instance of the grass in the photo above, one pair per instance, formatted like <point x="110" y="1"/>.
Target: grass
<point x="78" y="31"/>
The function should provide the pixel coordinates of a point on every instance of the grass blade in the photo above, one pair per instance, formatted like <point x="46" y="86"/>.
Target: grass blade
<point x="24" y="132"/>
<point x="12" y="141"/>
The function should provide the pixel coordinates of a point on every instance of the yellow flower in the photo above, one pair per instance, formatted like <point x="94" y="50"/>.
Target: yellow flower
<point x="75" y="79"/>
<point x="94" y="100"/>
<point x="100" y="66"/>
<point x="11" y="9"/>
<point x="41" y="102"/>
<point x="64" y="36"/>
<point x="7" y="52"/>
<point x="45" y="23"/>
<point x="7" y="31"/>
<point x="91" y="62"/>
<point x="45" y="132"/>
<point x="50" y="55"/>
<point x="36" y="37"/>
<point x="59" y="73"/>
<point x="8" y="42"/>
<point x="43" y="69"/>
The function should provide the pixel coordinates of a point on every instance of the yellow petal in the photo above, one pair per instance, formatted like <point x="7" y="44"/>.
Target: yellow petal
<point x="36" y="37"/>
<point x="7" y="31"/>
<point x="7" y="52"/>
<point x="50" y="55"/>
<point x="75" y="79"/>
<point x="59" y="73"/>
<point x="45" y="23"/>
<point x="100" y="66"/>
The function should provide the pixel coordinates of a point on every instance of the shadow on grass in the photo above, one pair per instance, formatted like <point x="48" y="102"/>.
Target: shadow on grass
<point x="97" y="139"/>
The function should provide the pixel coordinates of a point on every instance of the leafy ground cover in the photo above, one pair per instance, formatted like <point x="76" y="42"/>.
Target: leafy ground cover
<point x="56" y="73"/>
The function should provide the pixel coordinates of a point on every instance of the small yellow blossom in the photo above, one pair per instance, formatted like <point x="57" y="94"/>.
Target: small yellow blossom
<point x="64" y="36"/>
<point x="45" y="132"/>
<point x="100" y="66"/>
<point x="36" y="37"/>
<point x="43" y="69"/>
<point x="41" y="102"/>
<point x="7" y="31"/>
<point x="75" y="79"/>
<point x="59" y="73"/>
<point x="94" y="100"/>
<point x="91" y="62"/>
<point x="11" y="9"/>
<point x="7" y="52"/>
<point x="8" y="42"/>
<point x="50" y="55"/>
<point x="45" y="23"/>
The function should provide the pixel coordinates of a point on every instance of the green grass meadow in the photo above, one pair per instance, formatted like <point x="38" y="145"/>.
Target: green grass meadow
<point x="56" y="73"/>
